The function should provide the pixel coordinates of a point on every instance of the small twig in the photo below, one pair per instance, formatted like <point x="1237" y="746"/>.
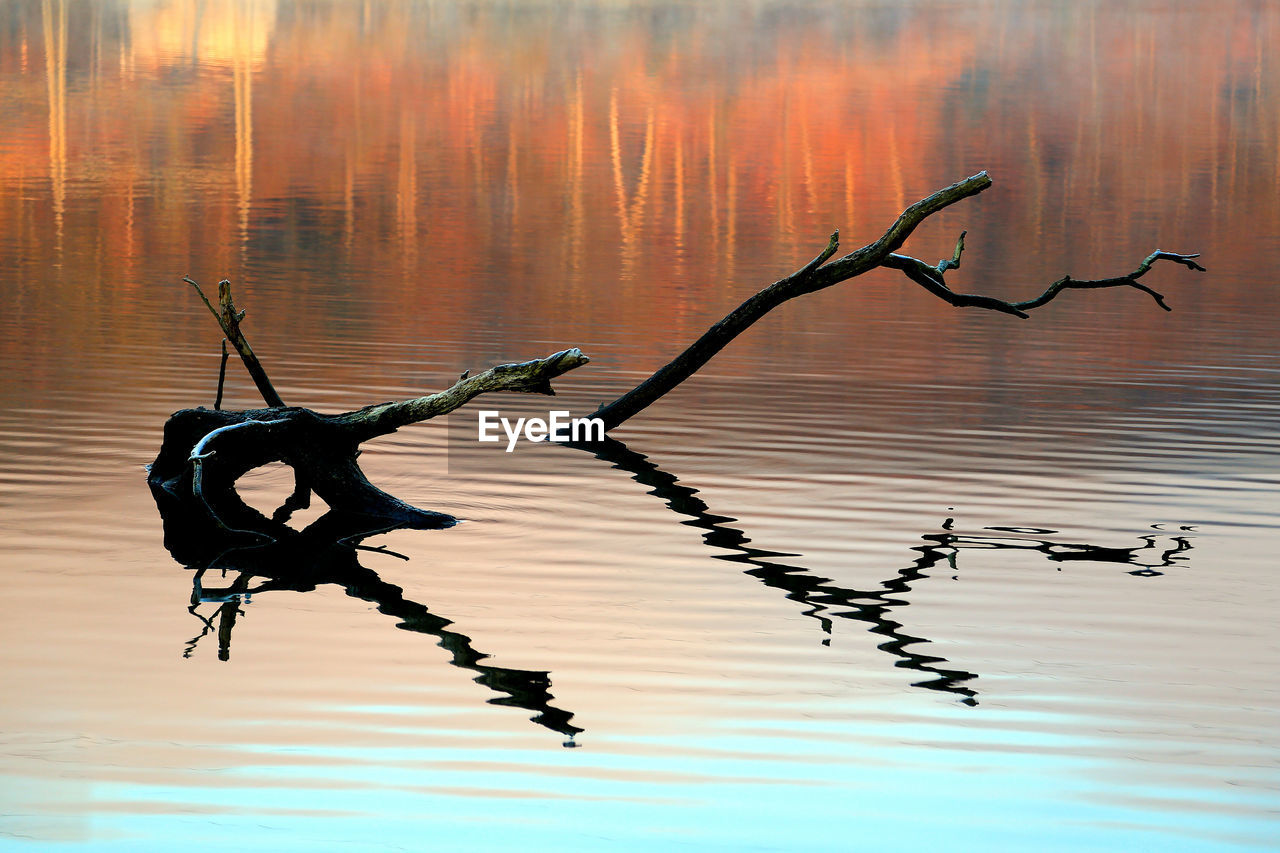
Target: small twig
<point x="832" y="244"/>
<point x="214" y="311"/>
<point x="380" y="549"/>
<point x="954" y="263"/>
<point x="931" y="279"/>
<point x="222" y="376"/>
<point x="229" y="321"/>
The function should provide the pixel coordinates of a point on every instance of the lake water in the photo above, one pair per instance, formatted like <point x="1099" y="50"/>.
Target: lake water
<point x="885" y="575"/>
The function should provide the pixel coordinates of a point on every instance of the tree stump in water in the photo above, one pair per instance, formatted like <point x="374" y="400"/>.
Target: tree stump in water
<point x="206" y="450"/>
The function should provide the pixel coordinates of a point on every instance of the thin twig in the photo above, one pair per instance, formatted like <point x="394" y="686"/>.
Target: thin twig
<point x="222" y="376"/>
<point x="229" y="321"/>
<point x="931" y="279"/>
<point x="954" y="262"/>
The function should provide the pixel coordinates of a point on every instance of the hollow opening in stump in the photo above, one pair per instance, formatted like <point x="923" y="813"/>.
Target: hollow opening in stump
<point x="269" y="487"/>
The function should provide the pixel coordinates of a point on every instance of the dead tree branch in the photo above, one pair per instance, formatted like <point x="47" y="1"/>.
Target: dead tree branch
<point x="814" y="276"/>
<point x="931" y="279"/>
<point x="810" y="278"/>
<point x="529" y="377"/>
<point x="229" y="319"/>
<point x="323" y="448"/>
<point x="205" y="451"/>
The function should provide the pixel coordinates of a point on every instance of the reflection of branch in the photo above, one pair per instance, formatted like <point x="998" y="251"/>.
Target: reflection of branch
<point x="819" y="594"/>
<point x="326" y="552"/>
<point x="190" y="648"/>
<point x="227" y="612"/>
<point x="825" y="600"/>
<point x="1066" y="552"/>
<point x="520" y="688"/>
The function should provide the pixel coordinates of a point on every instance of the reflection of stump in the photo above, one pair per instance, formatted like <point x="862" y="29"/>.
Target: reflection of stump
<point x="327" y="551"/>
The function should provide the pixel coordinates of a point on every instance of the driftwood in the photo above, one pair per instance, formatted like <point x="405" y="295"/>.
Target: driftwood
<point x="205" y="451"/>
<point x="207" y="526"/>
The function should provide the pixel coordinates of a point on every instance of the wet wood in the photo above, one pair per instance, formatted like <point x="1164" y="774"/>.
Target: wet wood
<point x="205" y="451"/>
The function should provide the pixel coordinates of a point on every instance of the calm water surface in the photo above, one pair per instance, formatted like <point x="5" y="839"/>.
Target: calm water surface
<point x="886" y="575"/>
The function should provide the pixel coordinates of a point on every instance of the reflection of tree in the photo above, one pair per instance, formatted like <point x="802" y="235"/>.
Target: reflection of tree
<point x="825" y="600"/>
<point x="266" y="555"/>
<point x="1148" y="558"/>
<point x="276" y="557"/>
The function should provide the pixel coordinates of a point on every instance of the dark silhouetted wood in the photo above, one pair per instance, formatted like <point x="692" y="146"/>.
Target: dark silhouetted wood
<point x="205" y="451"/>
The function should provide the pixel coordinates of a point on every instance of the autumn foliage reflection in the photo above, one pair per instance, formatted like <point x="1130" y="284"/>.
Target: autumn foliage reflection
<point x="599" y="157"/>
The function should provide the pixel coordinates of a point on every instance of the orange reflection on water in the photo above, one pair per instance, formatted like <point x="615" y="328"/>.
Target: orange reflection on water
<point x="404" y="189"/>
<point x="633" y="165"/>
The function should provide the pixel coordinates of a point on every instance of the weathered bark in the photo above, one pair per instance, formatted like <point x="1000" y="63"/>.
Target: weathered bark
<point x="528" y="377"/>
<point x="205" y="451"/>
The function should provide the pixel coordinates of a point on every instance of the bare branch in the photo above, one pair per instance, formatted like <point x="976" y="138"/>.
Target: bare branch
<point x="1130" y="280"/>
<point x="530" y="377"/>
<point x="229" y="320"/>
<point x="832" y="244"/>
<point x="812" y="277"/>
<point x="871" y="255"/>
<point x="222" y="375"/>
<point x="931" y="279"/>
